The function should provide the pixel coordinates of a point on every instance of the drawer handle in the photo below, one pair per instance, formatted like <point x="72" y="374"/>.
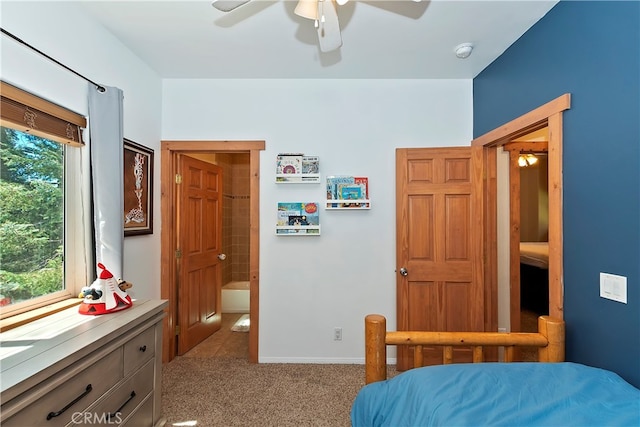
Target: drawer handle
<point x="143" y="348"/>
<point x="119" y="410"/>
<point x="73" y="402"/>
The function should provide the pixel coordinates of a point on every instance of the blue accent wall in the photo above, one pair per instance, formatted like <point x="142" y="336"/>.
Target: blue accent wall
<point x="590" y="49"/>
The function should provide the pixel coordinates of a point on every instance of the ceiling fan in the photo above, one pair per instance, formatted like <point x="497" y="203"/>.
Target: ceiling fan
<point x="323" y="12"/>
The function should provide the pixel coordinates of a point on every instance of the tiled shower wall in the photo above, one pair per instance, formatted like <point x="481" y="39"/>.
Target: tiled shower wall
<point x="235" y="222"/>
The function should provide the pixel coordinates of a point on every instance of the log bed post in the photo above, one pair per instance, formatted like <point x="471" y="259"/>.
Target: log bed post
<point x="375" y="357"/>
<point x="554" y="331"/>
<point x="550" y="340"/>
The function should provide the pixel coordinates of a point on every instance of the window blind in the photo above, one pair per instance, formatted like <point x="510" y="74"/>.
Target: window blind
<point x="29" y="113"/>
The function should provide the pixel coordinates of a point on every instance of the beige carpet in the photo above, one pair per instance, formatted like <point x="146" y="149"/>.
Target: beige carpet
<point x="214" y="385"/>
<point x="232" y="392"/>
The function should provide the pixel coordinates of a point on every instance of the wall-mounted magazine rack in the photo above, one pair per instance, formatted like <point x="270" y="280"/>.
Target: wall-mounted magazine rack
<point x="296" y="168"/>
<point x="297" y="178"/>
<point x="347" y="193"/>
<point x="300" y="230"/>
<point x="298" y="219"/>
<point x="348" y="204"/>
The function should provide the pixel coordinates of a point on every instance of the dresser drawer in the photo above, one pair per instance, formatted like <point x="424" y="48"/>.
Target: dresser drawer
<point x="138" y="350"/>
<point x="67" y="400"/>
<point x="121" y="402"/>
<point x="143" y="417"/>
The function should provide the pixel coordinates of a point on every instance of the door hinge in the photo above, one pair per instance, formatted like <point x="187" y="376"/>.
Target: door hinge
<point x="177" y="329"/>
<point x="178" y="178"/>
<point x="178" y="253"/>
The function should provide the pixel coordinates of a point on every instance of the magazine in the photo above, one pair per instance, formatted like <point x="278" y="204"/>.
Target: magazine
<point x="289" y="164"/>
<point x="347" y="188"/>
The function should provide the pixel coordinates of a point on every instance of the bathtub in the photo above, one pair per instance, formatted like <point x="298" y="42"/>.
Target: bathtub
<point x="235" y="297"/>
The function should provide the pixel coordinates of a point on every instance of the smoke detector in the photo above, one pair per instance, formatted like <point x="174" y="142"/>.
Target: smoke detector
<point x="463" y="50"/>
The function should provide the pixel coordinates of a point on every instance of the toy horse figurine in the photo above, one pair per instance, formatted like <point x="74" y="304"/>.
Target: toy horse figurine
<point x="105" y="295"/>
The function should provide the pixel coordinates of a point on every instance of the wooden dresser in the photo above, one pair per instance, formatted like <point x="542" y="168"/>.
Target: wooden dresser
<point x="70" y="369"/>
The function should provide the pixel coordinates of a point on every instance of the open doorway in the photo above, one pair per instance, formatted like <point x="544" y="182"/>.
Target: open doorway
<point x="528" y="229"/>
<point x="534" y="239"/>
<point x="547" y="116"/>
<point x="170" y="152"/>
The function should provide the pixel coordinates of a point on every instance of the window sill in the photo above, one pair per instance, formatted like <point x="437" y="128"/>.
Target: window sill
<point x="35" y="314"/>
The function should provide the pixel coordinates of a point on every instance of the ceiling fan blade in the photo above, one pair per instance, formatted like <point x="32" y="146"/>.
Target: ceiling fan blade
<point x="329" y="28"/>
<point x="228" y="5"/>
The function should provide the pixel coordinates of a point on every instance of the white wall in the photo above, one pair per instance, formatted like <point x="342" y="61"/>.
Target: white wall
<point x="62" y="32"/>
<point x="504" y="241"/>
<point x="309" y="285"/>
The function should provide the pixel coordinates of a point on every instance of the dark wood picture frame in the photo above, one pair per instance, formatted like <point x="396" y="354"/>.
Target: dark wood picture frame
<point x="138" y="189"/>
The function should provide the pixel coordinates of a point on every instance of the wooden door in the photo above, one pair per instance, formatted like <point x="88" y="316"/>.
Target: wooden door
<point x="439" y="229"/>
<point x="199" y="242"/>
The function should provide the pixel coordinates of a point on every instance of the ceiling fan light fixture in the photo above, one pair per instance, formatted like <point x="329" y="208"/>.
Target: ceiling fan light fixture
<point x="307" y="9"/>
<point x="463" y="50"/>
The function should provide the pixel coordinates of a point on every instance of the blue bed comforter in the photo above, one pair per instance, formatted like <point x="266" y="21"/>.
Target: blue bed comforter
<point x="499" y="394"/>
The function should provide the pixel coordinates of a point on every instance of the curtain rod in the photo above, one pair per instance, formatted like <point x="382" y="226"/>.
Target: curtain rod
<point x="98" y="87"/>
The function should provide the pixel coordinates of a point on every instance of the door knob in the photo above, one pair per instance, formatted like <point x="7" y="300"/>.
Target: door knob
<point x="222" y="257"/>
<point x="403" y="272"/>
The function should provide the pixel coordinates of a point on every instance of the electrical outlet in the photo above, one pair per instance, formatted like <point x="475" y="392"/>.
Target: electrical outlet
<point x="337" y="334"/>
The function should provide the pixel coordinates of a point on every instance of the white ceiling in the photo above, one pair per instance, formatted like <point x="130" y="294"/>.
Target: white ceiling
<point x="265" y="39"/>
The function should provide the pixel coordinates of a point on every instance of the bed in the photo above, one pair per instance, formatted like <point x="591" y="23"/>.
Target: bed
<point x="535" y="254"/>
<point x="550" y="392"/>
<point x="534" y="276"/>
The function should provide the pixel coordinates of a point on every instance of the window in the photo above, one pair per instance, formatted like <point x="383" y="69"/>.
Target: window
<point x="41" y="227"/>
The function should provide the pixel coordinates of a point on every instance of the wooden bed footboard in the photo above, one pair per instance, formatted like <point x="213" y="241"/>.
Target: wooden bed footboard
<point x="550" y="340"/>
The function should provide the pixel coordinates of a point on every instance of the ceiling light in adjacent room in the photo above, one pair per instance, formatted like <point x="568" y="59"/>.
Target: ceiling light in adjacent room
<point x="527" y="160"/>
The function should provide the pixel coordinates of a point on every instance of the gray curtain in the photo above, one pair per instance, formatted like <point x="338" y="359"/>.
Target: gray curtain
<point x="106" y="146"/>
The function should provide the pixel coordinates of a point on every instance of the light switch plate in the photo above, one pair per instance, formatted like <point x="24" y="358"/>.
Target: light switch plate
<point x="613" y="287"/>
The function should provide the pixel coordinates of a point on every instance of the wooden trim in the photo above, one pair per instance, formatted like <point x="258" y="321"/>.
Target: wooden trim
<point x="490" y="190"/>
<point x="254" y="252"/>
<point x="169" y="151"/>
<point x="526" y="147"/>
<point x="556" y="256"/>
<point x="527" y="123"/>
<point x="478" y="233"/>
<point x="514" y="240"/>
<point x="167" y="247"/>
<point x="35" y="314"/>
<point x="225" y="146"/>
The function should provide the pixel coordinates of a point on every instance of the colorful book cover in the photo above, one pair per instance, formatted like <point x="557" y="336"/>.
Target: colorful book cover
<point x="298" y="214"/>
<point x="298" y="220"/>
<point x="353" y="192"/>
<point x="350" y="192"/>
<point x="310" y="164"/>
<point x="332" y="187"/>
<point x="364" y="182"/>
<point x="288" y="163"/>
<point x="283" y="215"/>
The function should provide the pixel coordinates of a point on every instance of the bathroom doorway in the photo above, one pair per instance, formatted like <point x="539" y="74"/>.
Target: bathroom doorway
<point x="236" y="193"/>
<point x="170" y="179"/>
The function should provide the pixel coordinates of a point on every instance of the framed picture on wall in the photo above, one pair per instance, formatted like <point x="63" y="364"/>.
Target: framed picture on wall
<point x="138" y="189"/>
